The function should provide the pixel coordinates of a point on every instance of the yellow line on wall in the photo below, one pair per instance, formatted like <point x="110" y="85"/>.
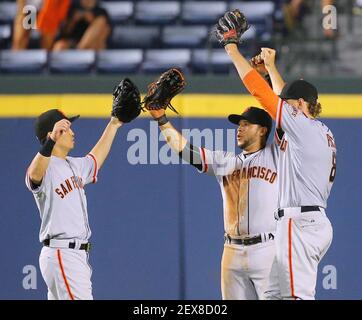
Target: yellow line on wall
<point x="189" y="105"/>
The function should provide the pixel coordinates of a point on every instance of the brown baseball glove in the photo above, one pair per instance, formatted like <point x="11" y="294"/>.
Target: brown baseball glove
<point x="161" y="91"/>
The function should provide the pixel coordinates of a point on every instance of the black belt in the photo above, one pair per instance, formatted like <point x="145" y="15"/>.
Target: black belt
<point x="83" y="246"/>
<point x="302" y="210"/>
<point x="246" y="241"/>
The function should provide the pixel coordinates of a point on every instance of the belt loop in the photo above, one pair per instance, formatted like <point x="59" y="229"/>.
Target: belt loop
<point x="77" y="244"/>
<point x="227" y="238"/>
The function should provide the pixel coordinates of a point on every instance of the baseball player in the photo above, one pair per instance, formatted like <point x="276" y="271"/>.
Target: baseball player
<point x="58" y="182"/>
<point x="244" y="180"/>
<point x="306" y="168"/>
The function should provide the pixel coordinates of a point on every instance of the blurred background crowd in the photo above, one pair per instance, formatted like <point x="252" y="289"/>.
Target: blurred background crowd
<point x="149" y="36"/>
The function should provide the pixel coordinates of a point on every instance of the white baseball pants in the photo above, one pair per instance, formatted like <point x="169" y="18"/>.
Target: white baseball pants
<point x="301" y="242"/>
<point x="66" y="273"/>
<point x="245" y="270"/>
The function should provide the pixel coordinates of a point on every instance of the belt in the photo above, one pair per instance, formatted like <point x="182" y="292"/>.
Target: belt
<point x="302" y="210"/>
<point x="247" y="241"/>
<point x="83" y="246"/>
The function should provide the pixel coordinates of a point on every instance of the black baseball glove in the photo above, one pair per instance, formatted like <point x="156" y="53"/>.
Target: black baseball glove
<point x="161" y="92"/>
<point x="126" y="101"/>
<point x="231" y="27"/>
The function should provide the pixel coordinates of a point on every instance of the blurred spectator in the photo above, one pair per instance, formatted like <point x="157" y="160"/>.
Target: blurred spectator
<point x="295" y="10"/>
<point x="87" y="27"/>
<point x="357" y="9"/>
<point x="52" y="13"/>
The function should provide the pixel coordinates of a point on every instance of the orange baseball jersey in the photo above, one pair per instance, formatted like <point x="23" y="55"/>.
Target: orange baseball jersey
<point x="307" y="161"/>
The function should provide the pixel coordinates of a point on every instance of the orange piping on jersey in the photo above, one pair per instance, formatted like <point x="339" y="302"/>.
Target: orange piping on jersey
<point x="280" y="107"/>
<point x="204" y="159"/>
<point x="260" y="89"/>
<point x="95" y="168"/>
<point x="290" y="257"/>
<point x="64" y="277"/>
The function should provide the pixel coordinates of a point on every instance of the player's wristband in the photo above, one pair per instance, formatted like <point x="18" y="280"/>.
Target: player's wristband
<point x="47" y="148"/>
<point x="162" y="120"/>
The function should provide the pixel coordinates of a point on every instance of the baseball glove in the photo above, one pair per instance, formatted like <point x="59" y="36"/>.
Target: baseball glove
<point x="231" y="27"/>
<point x="126" y="101"/>
<point x="161" y="92"/>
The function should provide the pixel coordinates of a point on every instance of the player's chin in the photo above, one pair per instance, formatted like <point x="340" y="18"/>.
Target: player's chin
<point x="240" y="144"/>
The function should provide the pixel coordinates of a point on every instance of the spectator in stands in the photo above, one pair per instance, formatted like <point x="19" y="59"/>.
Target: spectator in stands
<point x="87" y="27"/>
<point x="295" y="10"/>
<point x="51" y="15"/>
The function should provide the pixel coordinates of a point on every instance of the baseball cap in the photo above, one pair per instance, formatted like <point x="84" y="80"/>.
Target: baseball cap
<point x="253" y="115"/>
<point x="46" y="121"/>
<point x="300" y="89"/>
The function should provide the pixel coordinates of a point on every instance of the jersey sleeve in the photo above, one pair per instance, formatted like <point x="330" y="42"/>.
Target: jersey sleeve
<point x="36" y="189"/>
<point x="219" y="163"/>
<point x="291" y="120"/>
<point x="262" y="92"/>
<point x="89" y="169"/>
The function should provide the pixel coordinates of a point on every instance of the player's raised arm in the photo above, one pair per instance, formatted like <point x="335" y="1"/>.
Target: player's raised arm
<point x="267" y="55"/>
<point x="157" y="99"/>
<point x="126" y="107"/>
<point x="229" y="29"/>
<point x="39" y="165"/>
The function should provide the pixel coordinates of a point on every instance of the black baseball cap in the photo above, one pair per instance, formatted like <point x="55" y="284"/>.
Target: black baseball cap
<point x="253" y="115"/>
<point x="300" y="89"/>
<point x="46" y="121"/>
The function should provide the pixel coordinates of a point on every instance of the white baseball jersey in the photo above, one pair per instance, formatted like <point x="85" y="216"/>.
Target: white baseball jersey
<point x="307" y="167"/>
<point x="306" y="171"/>
<point x="61" y="198"/>
<point x="307" y="162"/>
<point x="249" y="188"/>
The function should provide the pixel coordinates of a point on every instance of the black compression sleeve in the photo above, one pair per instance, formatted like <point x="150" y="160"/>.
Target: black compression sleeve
<point x="191" y="155"/>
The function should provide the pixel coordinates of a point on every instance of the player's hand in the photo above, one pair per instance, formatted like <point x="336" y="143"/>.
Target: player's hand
<point x="157" y="113"/>
<point x="268" y="56"/>
<point x="258" y="64"/>
<point x="60" y="127"/>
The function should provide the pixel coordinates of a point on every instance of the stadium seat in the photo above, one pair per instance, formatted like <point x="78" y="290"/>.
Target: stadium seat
<point x="119" y="11"/>
<point x="119" y="61"/>
<point x="135" y="37"/>
<point x="157" y="12"/>
<point x="7" y="12"/>
<point x="71" y="61"/>
<point x="27" y="61"/>
<point x="202" y="12"/>
<point x="254" y="11"/>
<point x="5" y="36"/>
<point x="156" y="61"/>
<point x="215" y="60"/>
<point x="184" y="36"/>
<point x="260" y="16"/>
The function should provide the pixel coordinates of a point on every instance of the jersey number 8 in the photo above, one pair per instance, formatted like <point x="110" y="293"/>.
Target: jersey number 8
<point x="334" y="168"/>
